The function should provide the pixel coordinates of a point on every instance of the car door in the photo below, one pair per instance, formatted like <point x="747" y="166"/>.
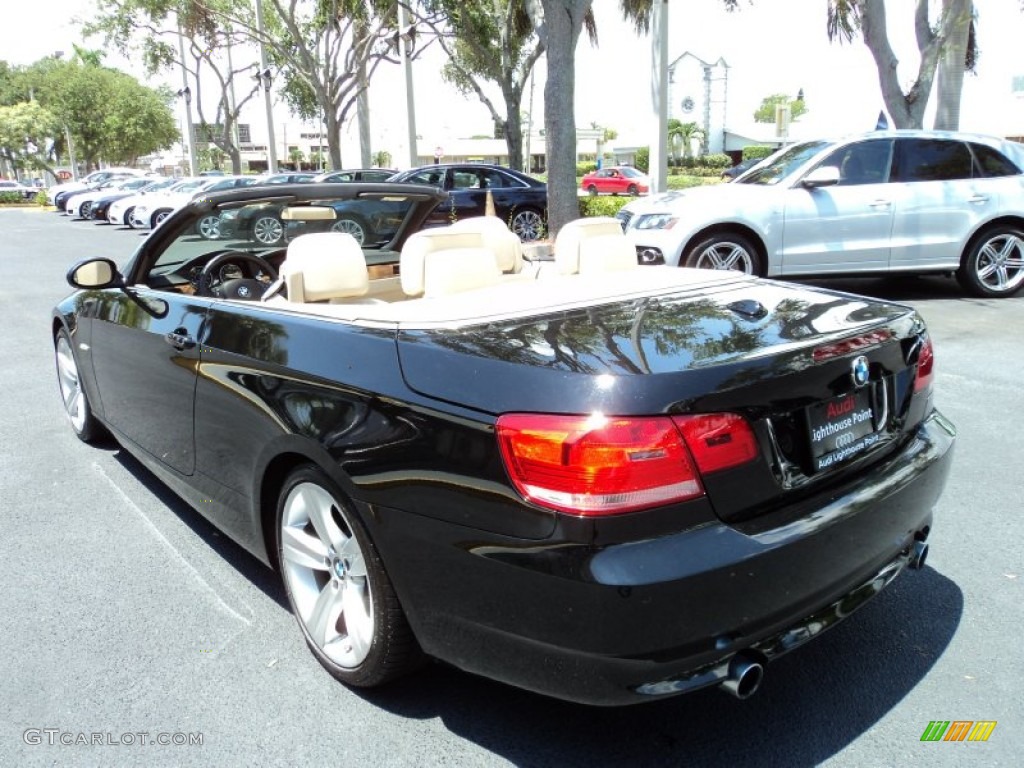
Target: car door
<point x="145" y="341"/>
<point x="944" y="200"/>
<point x="846" y="227"/>
<point x="468" y="193"/>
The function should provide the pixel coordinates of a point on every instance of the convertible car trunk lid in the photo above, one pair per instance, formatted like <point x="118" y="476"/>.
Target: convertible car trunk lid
<point x="785" y="357"/>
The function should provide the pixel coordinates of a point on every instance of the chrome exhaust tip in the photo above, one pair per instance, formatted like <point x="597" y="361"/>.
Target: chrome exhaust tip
<point x="744" y="677"/>
<point x="918" y="555"/>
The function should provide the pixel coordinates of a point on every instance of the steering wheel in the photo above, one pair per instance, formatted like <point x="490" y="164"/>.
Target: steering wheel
<point x="247" y="289"/>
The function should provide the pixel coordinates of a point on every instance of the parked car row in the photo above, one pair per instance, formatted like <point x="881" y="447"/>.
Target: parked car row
<point x="144" y="202"/>
<point x="27" y="192"/>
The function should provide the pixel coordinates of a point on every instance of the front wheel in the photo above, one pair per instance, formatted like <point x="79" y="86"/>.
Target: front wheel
<point x="209" y="227"/>
<point x="725" y="251"/>
<point x="337" y="586"/>
<point x="76" y="403"/>
<point x="350" y="227"/>
<point x="993" y="266"/>
<point x="158" y="218"/>
<point x="528" y="224"/>
<point x="267" y="230"/>
<point x="633" y="190"/>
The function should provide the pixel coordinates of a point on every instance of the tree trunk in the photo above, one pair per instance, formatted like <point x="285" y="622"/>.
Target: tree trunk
<point x="952" y="64"/>
<point x="563" y="21"/>
<point x="363" y="103"/>
<point x="513" y="130"/>
<point x="905" y="109"/>
<point x="333" y="138"/>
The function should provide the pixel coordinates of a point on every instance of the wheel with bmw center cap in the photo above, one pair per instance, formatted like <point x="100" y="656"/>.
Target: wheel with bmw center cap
<point x="76" y="403"/>
<point x="336" y="584"/>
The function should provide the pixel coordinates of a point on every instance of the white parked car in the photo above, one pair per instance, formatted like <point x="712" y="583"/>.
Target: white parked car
<point x="94" y="178"/>
<point x="150" y="213"/>
<point x="121" y="211"/>
<point x="27" y="192"/>
<point x="79" y="204"/>
<point x="897" y="201"/>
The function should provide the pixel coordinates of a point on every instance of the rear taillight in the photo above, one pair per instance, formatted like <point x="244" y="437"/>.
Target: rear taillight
<point x="925" y="366"/>
<point x="598" y="465"/>
<point x="718" y="440"/>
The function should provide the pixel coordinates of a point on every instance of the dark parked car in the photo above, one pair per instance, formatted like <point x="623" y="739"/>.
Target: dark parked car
<point x="521" y="201"/>
<point x="740" y="168"/>
<point x="358" y="174"/>
<point x="600" y="481"/>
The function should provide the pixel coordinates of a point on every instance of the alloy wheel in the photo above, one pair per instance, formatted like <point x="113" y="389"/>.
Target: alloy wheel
<point x="528" y="225"/>
<point x="351" y="227"/>
<point x="267" y="230"/>
<point x="326" y="574"/>
<point x="71" y="386"/>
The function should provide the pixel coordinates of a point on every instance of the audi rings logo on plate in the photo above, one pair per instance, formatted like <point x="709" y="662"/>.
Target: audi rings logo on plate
<point x="844" y="440"/>
<point x="860" y="371"/>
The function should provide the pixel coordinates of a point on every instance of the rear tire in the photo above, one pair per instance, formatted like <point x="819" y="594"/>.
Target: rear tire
<point x="725" y="251"/>
<point x="337" y="587"/>
<point x="527" y="224"/>
<point x="592" y="190"/>
<point x="993" y="266"/>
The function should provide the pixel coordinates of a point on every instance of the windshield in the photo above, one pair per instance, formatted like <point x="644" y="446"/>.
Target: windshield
<point x="782" y="164"/>
<point x="631" y="173"/>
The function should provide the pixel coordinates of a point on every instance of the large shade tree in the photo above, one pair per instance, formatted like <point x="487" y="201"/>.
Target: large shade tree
<point x="489" y="42"/>
<point x="947" y="40"/>
<point x="155" y="29"/>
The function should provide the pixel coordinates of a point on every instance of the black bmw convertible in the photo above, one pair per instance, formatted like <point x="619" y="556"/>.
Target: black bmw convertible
<point x="602" y="482"/>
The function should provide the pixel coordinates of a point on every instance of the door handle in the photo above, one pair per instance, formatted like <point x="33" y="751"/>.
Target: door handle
<point x="978" y="199"/>
<point x="881" y="203"/>
<point x="179" y="339"/>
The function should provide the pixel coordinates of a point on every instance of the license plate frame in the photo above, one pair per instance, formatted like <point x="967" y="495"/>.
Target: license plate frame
<point x="842" y="427"/>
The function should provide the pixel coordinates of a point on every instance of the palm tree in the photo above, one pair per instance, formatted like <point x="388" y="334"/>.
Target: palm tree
<point x="296" y="155"/>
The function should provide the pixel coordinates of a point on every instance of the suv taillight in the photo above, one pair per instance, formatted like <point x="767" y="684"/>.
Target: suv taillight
<point x="925" y="366"/>
<point x="601" y="465"/>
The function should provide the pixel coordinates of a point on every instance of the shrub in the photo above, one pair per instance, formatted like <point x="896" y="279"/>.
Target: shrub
<point x="718" y="160"/>
<point x="11" y="197"/>
<point x="41" y="197"/>
<point x="602" y="206"/>
<point x="582" y="169"/>
<point x="757" y="151"/>
<point x="642" y="159"/>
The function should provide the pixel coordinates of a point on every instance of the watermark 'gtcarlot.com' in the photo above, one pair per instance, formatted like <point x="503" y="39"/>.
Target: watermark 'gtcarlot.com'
<point x="58" y="737"/>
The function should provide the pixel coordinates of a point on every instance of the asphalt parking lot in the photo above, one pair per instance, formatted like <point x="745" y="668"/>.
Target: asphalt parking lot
<point x="128" y="616"/>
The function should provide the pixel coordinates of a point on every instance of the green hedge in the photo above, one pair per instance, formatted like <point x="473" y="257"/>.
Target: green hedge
<point x="582" y="169"/>
<point x="605" y="205"/>
<point x="757" y="151"/>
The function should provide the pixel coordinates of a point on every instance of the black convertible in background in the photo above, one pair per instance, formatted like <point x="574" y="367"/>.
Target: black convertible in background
<point x="599" y="481"/>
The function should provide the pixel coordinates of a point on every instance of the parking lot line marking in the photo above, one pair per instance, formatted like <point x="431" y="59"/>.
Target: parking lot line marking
<point x="181" y="558"/>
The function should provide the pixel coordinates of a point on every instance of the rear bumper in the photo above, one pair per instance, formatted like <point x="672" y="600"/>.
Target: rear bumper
<point x="629" y="622"/>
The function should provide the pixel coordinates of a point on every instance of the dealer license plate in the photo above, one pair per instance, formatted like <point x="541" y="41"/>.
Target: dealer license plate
<point x="841" y="428"/>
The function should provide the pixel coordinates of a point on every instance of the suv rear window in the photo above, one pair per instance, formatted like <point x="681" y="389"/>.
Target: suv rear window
<point x="932" y="160"/>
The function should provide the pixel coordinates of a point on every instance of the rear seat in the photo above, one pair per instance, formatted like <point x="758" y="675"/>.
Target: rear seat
<point x="591" y="246"/>
<point x="440" y="262"/>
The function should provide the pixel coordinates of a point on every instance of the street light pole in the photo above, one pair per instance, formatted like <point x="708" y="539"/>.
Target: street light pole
<point x="187" y="93"/>
<point x="410" y="101"/>
<point x="265" y="79"/>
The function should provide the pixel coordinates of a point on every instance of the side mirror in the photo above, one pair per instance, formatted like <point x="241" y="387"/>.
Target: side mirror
<point x="94" y="273"/>
<point x="822" y="176"/>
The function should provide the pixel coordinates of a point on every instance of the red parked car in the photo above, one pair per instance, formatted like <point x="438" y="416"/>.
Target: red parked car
<point x="616" y="179"/>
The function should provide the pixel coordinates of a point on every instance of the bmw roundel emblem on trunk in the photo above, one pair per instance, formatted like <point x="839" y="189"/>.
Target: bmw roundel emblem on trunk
<point x="860" y="371"/>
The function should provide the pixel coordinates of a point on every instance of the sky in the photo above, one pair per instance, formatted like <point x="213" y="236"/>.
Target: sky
<point x="769" y="50"/>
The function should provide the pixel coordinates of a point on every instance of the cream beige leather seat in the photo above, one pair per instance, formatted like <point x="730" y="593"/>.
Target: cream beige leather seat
<point x="440" y="262"/>
<point x="505" y="244"/>
<point x="325" y="266"/>
<point x="593" y="246"/>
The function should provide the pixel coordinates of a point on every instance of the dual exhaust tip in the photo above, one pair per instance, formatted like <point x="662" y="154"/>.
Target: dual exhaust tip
<point x="745" y="674"/>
